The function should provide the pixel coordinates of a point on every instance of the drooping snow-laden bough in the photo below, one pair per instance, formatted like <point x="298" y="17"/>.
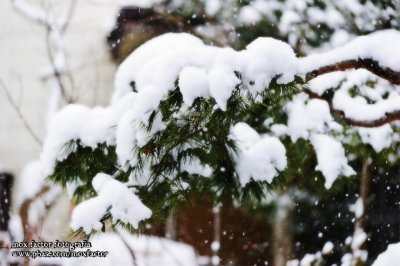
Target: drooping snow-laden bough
<point x="183" y="112"/>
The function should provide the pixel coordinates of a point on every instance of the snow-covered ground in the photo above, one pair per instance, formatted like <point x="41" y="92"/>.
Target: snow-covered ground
<point x="391" y="257"/>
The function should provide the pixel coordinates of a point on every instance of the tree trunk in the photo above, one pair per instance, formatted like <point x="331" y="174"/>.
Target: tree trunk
<point x="282" y="231"/>
<point x="359" y="225"/>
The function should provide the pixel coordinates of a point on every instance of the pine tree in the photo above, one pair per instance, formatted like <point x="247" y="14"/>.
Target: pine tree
<point x="178" y="133"/>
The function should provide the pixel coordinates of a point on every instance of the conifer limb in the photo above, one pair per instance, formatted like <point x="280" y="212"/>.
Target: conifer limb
<point x="369" y="64"/>
<point x="387" y="118"/>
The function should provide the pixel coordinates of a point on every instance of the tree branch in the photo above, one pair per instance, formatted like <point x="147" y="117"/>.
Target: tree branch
<point x="366" y="63"/>
<point x="387" y="118"/>
<point x="56" y="72"/>
<point x="64" y="22"/>
<point x="20" y="115"/>
<point x="54" y="29"/>
<point x="130" y="250"/>
<point x="35" y="14"/>
<point x="372" y="66"/>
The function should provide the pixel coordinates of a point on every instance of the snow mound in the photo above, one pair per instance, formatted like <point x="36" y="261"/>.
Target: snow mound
<point x="390" y="257"/>
<point x="113" y="195"/>
<point x="259" y="157"/>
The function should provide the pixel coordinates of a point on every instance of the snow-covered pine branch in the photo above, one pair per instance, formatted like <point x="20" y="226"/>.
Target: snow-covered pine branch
<point x="375" y="52"/>
<point x="181" y="106"/>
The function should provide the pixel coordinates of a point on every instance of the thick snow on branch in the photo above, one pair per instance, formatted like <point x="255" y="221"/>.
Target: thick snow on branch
<point x="308" y="116"/>
<point x="205" y="70"/>
<point x="310" y="119"/>
<point x="332" y="161"/>
<point x="155" y="65"/>
<point x="372" y="107"/>
<point x="146" y="77"/>
<point x="359" y="109"/>
<point x="32" y="178"/>
<point x="381" y="46"/>
<point x="379" y="138"/>
<point x="259" y="157"/>
<point x="77" y="122"/>
<point x="111" y="195"/>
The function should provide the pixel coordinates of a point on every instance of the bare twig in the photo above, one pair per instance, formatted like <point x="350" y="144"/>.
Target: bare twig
<point x="56" y="72"/>
<point x="54" y="28"/>
<point x="40" y="16"/>
<point x="35" y="14"/>
<point x="64" y="23"/>
<point x="20" y="115"/>
<point x="131" y="252"/>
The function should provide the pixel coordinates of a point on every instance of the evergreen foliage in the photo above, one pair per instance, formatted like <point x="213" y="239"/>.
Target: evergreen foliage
<point x="202" y="132"/>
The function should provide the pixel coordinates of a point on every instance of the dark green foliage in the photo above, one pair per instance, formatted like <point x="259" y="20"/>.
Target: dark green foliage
<point x="202" y="132"/>
<point x="82" y="164"/>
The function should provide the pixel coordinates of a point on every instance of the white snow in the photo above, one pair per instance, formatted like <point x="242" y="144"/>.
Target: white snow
<point x="358" y="108"/>
<point x="308" y="259"/>
<point x="148" y="250"/>
<point x="327" y="81"/>
<point x="259" y="157"/>
<point x="361" y="47"/>
<point x="193" y="84"/>
<point x="279" y="130"/>
<point x="328" y="247"/>
<point x="308" y="116"/>
<point x="151" y="54"/>
<point x="206" y="71"/>
<point x="289" y="18"/>
<point x="212" y="7"/>
<point x="332" y="161"/>
<point x="141" y="3"/>
<point x="32" y="180"/>
<point x="32" y="12"/>
<point x="125" y="140"/>
<point x="77" y="122"/>
<point x="123" y="204"/>
<point x="249" y="15"/>
<point x="357" y="208"/>
<point x="222" y="81"/>
<point x="194" y="166"/>
<point x="359" y="238"/>
<point x="155" y="65"/>
<point x="347" y="259"/>
<point x="265" y="58"/>
<point x="379" y="137"/>
<point x="390" y="257"/>
<point x="215" y="246"/>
